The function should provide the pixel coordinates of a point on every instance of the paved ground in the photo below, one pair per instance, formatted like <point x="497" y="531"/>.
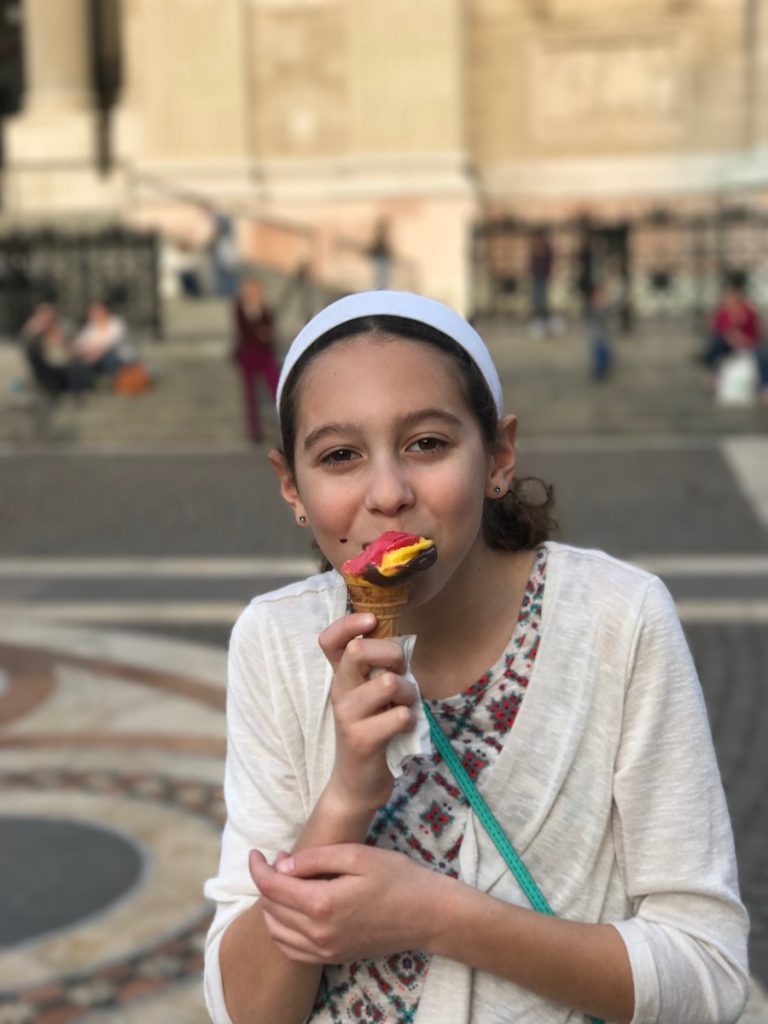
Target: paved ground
<point x="131" y="533"/>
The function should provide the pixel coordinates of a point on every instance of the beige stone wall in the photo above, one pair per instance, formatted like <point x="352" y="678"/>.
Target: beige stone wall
<point x="297" y="79"/>
<point x="333" y="113"/>
<point x="582" y="78"/>
<point x="185" y="79"/>
<point x="331" y="78"/>
<point x="406" y="76"/>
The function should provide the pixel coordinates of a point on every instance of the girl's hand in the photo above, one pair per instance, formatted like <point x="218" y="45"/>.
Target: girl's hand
<point x="368" y="710"/>
<point x="333" y="904"/>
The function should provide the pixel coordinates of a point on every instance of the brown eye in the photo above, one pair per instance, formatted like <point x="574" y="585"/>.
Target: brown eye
<point x="428" y="444"/>
<point x="338" y="455"/>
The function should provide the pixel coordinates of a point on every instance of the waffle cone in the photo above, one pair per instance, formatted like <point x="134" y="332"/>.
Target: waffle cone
<point x="386" y="603"/>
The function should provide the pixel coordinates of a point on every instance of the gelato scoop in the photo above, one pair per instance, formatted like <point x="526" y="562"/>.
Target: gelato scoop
<point x="378" y="579"/>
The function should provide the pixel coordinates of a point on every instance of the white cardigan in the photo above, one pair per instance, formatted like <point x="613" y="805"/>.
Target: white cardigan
<point x="607" y="786"/>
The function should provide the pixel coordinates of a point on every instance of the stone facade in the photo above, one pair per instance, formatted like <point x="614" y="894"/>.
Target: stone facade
<point x="310" y="121"/>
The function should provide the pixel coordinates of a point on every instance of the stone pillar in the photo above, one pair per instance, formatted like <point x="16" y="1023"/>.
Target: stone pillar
<point x="56" y="57"/>
<point x="51" y="144"/>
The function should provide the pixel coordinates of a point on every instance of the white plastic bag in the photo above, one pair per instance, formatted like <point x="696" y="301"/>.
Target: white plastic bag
<point x="737" y="379"/>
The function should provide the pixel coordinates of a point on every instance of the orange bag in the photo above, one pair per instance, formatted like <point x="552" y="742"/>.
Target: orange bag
<point x="132" y="379"/>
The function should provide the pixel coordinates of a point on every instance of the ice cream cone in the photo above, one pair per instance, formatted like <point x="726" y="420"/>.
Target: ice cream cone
<point x="386" y="603"/>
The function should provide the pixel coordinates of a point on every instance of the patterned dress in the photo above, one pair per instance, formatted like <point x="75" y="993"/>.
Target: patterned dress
<point x="426" y="815"/>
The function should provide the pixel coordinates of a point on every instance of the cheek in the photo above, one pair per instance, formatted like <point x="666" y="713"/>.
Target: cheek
<point x="463" y="488"/>
<point x="329" y="505"/>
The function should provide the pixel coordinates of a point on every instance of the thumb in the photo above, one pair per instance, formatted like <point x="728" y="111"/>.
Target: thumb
<point x="324" y="861"/>
<point x="256" y="859"/>
<point x="334" y="639"/>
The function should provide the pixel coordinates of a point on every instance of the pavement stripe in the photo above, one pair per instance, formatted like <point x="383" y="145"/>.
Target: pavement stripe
<point x="126" y="611"/>
<point x="277" y="567"/>
<point x="235" y="568"/>
<point x="690" y="610"/>
<point x="703" y="565"/>
<point x="748" y="460"/>
<point x="717" y="612"/>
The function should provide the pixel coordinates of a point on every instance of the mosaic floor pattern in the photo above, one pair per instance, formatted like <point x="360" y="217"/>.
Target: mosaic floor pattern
<point x="111" y="754"/>
<point x="111" y="759"/>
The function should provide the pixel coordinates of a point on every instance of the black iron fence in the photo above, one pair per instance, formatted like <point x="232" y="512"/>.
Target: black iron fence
<point x="661" y="265"/>
<point x="115" y="265"/>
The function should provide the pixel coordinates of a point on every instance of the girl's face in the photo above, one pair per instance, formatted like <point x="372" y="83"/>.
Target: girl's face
<point x="385" y="441"/>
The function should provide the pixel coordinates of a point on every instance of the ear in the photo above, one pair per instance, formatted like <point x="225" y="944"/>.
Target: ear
<point x="503" y="458"/>
<point x="288" y="488"/>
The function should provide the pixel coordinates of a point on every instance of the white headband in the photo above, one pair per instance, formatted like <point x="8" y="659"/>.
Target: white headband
<point x="403" y="304"/>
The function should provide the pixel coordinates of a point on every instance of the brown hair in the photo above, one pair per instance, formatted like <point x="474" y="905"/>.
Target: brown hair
<point x="523" y="517"/>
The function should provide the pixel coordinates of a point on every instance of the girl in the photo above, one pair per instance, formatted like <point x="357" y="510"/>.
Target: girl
<point x="254" y="349"/>
<point x="559" y="676"/>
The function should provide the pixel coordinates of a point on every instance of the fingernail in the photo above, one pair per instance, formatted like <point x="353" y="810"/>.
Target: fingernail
<point x="285" y="867"/>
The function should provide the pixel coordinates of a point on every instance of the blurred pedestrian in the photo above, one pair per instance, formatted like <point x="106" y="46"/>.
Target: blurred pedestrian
<point x="600" y="332"/>
<point x="100" y="348"/>
<point x="188" y="270"/>
<point x="380" y="252"/>
<point x="224" y="255"/>
<point x="584" y="268"/>
<point x="254" y="351"/>
<point x="47" y="350"/>
<point x="735" y="328"/>
<point x="540" y="262"/>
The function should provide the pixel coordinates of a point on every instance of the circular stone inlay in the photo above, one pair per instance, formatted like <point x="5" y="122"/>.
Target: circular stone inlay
<point x="55" y="873"/>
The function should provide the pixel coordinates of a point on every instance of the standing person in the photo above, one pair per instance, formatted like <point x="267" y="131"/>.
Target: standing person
<point x="349" y="890"/>
<point x="600" y="333"/>
<point x="736" y="327"/>
<point x="540" y="262"/>
<point x="380" y="252"/>
<point x="584" y="267"/>
<point x="224" y="254"/>
<point x="254" y="350"/>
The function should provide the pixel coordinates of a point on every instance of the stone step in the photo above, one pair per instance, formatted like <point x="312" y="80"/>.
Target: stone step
<point x="657" y="388"/>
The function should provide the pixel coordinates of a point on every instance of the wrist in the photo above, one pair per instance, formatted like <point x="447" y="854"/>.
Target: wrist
<point x="365" y="795"/>
<point x="337" y="819"/>
<point x="447" y="916"/>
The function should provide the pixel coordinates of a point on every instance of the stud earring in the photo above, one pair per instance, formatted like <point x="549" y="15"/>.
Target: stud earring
<point x="302" y="519"/>
<point x="497" y="489"/>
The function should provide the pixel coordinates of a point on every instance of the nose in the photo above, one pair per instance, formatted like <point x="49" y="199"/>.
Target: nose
<point x="389" y="490"/>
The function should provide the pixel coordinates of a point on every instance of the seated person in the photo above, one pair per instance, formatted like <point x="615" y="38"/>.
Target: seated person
<point x="736" y="326"/>
<point x="47" y="350"/>
<point x="100" y="347"/>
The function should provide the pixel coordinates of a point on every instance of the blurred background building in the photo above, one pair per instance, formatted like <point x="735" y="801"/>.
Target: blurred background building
<point x="315" y="128"/>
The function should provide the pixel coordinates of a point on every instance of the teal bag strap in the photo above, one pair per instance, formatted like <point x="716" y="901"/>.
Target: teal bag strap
<point x="499" y="837"/>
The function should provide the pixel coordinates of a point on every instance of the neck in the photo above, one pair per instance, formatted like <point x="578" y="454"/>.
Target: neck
<point x="464" y="630"/>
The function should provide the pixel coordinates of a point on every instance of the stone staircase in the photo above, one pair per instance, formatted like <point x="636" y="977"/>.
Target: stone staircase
<point x="195" y="403"/>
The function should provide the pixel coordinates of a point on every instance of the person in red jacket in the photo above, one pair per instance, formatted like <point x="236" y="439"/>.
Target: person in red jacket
<point x="735" y="326"/>
<point x="254" y="350"/>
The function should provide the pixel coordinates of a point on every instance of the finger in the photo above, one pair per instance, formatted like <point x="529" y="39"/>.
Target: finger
<point x="278" y="889"/>
<point x="367" y="734"/>
<point x="337" y="859"/>
<point x="292" y="945"/>
<point x="255" y="859"/>
<point x="363" y="659"/>
<point x="334" y="639"/>
<point x="290" y="920"/>
<point x="372" y="696"/>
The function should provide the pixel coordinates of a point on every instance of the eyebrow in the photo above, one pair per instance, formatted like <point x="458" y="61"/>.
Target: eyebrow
<point x="407" y="421"/>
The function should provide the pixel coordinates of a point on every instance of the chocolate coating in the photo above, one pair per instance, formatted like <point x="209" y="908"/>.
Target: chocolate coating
<point x="422" y="560"/>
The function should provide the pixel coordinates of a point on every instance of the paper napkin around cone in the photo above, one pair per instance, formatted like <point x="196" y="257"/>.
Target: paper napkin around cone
<point x="417" y="742"/>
